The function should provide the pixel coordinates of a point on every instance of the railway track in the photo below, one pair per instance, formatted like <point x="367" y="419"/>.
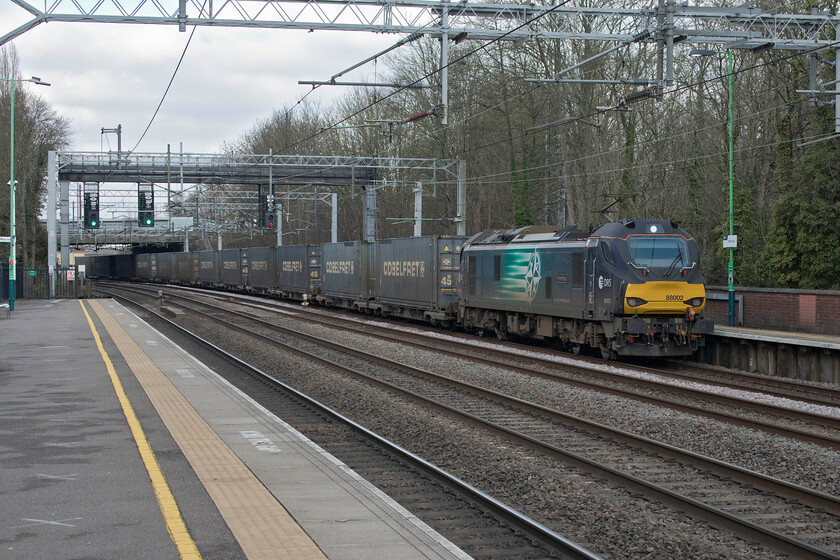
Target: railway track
<point x="788" y="518"/>
<point x="777" y="408"/>
<point x="480" y="525"/>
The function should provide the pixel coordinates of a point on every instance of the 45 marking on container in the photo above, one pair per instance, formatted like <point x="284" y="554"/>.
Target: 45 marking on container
<point x="258" y="440"/>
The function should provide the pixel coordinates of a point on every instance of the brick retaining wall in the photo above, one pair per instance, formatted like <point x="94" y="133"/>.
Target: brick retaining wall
<point x="813" y="311"/>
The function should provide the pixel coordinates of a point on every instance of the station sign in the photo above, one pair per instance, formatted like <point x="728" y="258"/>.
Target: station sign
<point x="730" y="242"/>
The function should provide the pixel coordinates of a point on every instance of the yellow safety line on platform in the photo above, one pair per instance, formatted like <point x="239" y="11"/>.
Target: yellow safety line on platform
<point x="171" y="514"/>
<point x="261" y="525"/>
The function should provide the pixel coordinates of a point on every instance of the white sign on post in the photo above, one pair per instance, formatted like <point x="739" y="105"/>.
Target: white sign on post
<point x="5" y="238"/>
<point x="730" y="242"/>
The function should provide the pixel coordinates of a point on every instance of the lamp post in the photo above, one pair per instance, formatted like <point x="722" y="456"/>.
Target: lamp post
<point x="12" y="184"/>
<point x="731" y="241"/>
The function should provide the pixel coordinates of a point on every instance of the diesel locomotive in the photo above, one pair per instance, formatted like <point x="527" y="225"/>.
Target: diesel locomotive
<point x="630" y="288"/>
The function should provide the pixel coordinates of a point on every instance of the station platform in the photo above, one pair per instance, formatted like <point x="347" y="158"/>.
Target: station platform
<point x="812" y="340"/>
<point x="116" y="443"/>
<point x="805" y="356"/>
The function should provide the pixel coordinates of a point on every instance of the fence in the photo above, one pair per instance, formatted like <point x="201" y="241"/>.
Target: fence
<point x="33" y="283"/>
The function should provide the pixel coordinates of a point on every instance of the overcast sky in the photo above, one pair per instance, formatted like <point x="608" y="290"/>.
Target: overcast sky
<point x="103" y="75"/>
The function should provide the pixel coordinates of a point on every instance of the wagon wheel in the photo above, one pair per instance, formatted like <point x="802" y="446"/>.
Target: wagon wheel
<point x="500" y="333"/>
<point x="576" y="349"/>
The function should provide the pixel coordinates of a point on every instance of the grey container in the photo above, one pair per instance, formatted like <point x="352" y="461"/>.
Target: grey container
<point x="344" y="273"/>
<point x="145" y="266"/>
<point x="262" y="265"/>
<point x="208" y="268"/>
<point x="417" y="276"/>
<point x="293" y="270"/>
<point x="124" y="267"/>
<point x="314" y="256"/>
<point x="165" y="267"/>
<point x="231" y="268"/>
<point x="186" y="267"/>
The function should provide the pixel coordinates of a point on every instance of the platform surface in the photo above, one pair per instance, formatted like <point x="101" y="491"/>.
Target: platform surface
<point x="780" y="337"/>
<point x="244" y="483"/>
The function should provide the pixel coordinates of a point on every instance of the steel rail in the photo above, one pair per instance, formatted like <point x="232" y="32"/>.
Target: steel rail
<point x="822" y="396"/>
<point x="787" y="388"/>
<point x="540" y="533"/>
<point x="770" y="427"/>
<point x="808" y="496"/>
<point x="435" y="346"/>
<point x="711" y="514"/>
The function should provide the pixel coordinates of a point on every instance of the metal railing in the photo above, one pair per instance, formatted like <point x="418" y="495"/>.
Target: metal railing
<point x="34" y="283"/>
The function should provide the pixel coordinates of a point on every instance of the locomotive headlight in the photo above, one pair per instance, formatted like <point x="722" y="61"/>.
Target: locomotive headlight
<point x="694" y="302"/>
<point x="635" y="302"/>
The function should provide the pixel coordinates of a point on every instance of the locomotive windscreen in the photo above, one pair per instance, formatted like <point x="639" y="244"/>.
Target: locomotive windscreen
<point x="658" y="251"/>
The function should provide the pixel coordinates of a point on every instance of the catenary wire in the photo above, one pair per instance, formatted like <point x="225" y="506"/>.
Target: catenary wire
<point x="169" y="85"/>
<point x="430" y="74"/>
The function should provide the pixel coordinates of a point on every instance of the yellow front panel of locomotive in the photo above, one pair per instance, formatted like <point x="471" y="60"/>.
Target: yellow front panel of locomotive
<point x="668" y="298"/>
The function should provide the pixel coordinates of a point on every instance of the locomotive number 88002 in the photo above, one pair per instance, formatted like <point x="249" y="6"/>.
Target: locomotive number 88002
<point x="632" y="288"/>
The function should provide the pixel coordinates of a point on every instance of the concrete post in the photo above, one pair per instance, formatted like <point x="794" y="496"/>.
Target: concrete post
<point x="418" y="209"/>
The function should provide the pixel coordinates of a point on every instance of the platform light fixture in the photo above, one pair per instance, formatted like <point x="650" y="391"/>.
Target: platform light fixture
<point x="12" y="184"/>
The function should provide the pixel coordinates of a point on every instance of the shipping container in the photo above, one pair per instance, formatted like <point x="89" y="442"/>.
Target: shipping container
<point x="124" y="268"/>
<point x="314" y="255"/>
<point x="186" y="271"/>
<point x="345" y="280"/>
<point x="208" y="268"/>
<point x="417" y="277"/>
<point x="293" y="270"/>
<point x="230" y="267"/>
<point x="165" y="267"/>
<point x="262" y="274"/>
<point x="146" y="266"/>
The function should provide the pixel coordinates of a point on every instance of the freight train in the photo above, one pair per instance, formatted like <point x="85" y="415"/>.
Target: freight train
<point x="630" y="288"/>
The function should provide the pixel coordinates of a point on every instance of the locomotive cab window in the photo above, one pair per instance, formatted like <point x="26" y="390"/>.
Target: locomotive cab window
<point x="658" y="251"/>
<point x="608" y="256"/>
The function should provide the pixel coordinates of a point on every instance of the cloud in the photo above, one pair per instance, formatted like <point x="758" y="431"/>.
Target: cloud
<point x="103" y="75"/>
